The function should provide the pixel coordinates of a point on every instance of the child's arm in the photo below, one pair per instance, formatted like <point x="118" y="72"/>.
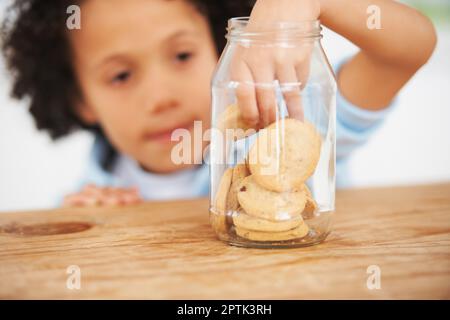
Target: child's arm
<point x="389" y="56"/>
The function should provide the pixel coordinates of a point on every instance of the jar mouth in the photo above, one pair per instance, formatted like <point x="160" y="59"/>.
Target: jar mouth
<point x="237" y="28"/>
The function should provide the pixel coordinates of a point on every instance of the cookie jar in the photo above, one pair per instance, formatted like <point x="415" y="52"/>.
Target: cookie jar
<point x="272" y="142"/>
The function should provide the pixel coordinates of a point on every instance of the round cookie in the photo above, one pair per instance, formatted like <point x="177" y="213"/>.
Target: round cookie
<point x="306" y="191"/>
<point x="240" y="171"/>
<point x="285" y="154"/>
<point x="231" y="119"/>
<point x="310" y="206"/>
<point x="265" y="204"/>
<point x="247" y="222"/>
<point x="299" y="232"/>
<point x="218" y="218"/>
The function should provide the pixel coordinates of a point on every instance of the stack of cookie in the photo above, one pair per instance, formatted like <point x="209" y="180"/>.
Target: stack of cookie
<point x="267" y="196"/>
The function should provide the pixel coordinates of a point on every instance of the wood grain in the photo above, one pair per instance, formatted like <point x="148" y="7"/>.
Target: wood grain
<point x="168" y="250"/>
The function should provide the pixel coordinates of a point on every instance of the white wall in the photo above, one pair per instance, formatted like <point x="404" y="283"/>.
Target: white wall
<point x="34" y="171"/>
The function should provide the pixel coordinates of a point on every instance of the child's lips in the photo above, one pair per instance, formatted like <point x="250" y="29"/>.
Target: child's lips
<point x="164" y="135"/>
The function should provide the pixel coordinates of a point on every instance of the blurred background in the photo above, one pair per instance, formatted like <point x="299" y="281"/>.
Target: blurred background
<point x="412" y="146"/>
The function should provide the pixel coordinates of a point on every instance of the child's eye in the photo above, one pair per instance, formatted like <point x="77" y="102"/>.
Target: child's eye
<point x="183" y="56"/>
<point x="121" y="77"/>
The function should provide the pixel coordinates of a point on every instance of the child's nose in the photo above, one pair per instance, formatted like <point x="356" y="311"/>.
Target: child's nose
<point x="159" y="93"/>
<point x="161" y="105"/>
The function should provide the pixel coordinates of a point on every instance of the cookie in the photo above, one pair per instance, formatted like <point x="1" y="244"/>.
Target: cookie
<point x="265" y="204"/>
<point x="231" y="122"/>
<point x="240" y="171"/>
<point x="310" y="206"/>
<point x="244" y="221"/>
<point x="285" y="155"/>
<point x="298" y="232"/>
<point x="218" y="219"/>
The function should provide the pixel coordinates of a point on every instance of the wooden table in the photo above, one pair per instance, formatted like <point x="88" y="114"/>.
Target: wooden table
<point x="167" y="250"/>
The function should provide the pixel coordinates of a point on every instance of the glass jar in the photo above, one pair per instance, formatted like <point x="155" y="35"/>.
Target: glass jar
<point x="273" y="181"/>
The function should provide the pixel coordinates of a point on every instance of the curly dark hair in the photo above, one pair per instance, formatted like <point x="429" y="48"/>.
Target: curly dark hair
<point x="38" y="55"/>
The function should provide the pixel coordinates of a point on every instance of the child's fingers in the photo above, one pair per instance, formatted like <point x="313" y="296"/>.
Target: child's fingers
<point x="265" y="93"/>
<point x="71" y="201"/>
<point x="130" y="198"/>
<point x="120" y="196"/>
<point x="302" y="70"/>
<point x="92" y="191"/>
<point x="135" y="196"/>
<point x="89" y="186"/>
<point x="290" y="87"/>
<point x="90" y="201"/>
<point x="80" y="200"/>
<point x="256" y="73"/>
<point x="111" y="201"/>
<point x="245" y="91"/>
<point x="134" y="190"/>
<point x="92" y="195"/>
<point x="262" y="69"/>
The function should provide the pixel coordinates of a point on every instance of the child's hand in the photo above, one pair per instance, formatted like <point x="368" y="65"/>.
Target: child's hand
<point x="92" y="195"/>
<point x="255" y="65"/>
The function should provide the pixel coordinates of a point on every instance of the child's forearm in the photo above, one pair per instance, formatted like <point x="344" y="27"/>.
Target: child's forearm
<point x="406" y="37"/>
<point x="389" y="56"/>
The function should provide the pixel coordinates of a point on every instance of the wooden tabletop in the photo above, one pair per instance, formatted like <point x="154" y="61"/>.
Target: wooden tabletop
<point x="168" y="250"/>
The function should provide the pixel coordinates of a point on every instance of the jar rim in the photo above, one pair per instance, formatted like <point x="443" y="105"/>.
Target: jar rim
<point x="287" y="29"/>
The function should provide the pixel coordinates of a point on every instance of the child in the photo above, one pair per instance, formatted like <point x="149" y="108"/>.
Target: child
<point x="138" y="69"/>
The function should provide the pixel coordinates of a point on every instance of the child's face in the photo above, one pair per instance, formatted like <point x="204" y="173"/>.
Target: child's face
<point x="144" y="68"/>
